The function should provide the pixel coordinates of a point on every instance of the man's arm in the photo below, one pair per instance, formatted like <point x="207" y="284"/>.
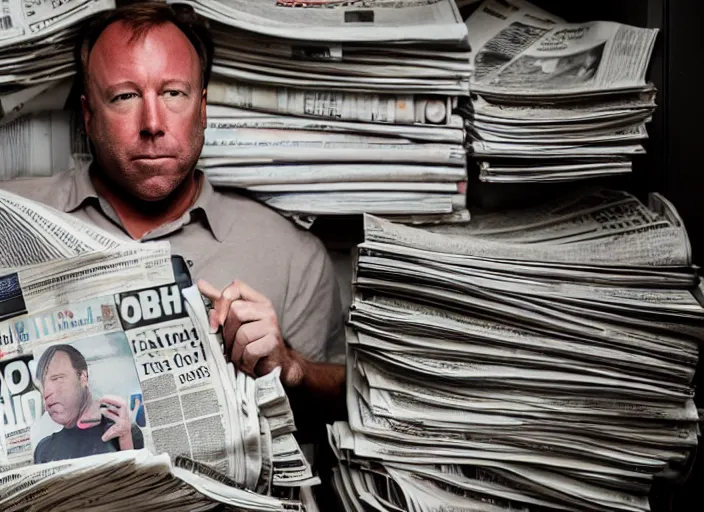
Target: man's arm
<point x="318" y="399"/>
<point x="323" y="381"/>
<point x="313" y="323"/>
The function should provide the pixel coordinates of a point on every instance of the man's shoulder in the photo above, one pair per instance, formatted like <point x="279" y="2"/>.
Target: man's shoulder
<point x="43" y="446"/>
<point x="49" y="190"/>
<point x="254" y="221"/>
<point x="45" y="441"/>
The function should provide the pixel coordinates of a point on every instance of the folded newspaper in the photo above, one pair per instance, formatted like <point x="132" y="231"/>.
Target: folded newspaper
<point x="37" y="68"/>
<point x="537" y="359"/>
<point x="339" y="108"/>
<point x="37" y="45"/>
<point x="114" y="394"/>
<point x="375" y="21"/>
<point x="555" y="101"/>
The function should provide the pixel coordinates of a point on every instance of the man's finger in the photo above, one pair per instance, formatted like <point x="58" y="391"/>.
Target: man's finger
<point x="266" y="365"/>
<point x="232" y="325"/>
<point x="221" y="306"/>
<point x="241" y="312"/>
<point x="208" y="290"/>
<point x="114" y="400"/>
<point x="111" y="433"/>
<point x="246" y="292"/>
<point x="246" y="334"/>
<point x="257" y="350"/>
<point x="213" y="294"/>
<point x="110" y="414"/>
<point x="247" y="311"/>
<point x="221" y="302"/>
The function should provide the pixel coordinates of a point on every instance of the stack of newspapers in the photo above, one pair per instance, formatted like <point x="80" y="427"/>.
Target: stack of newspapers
<point x="555" y="101"/>
<point x="533" y="360"/>
<point x="113" y="392"/>
<point x="328" y="107"/>
<point x="37" y="66"/>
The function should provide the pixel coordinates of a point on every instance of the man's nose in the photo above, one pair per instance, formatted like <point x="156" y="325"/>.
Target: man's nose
<point x="152" y="116"/>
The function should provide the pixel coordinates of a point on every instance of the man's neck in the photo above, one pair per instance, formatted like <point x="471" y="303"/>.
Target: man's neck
<point x="89" y="407"/>
<point x="140" y="217"/>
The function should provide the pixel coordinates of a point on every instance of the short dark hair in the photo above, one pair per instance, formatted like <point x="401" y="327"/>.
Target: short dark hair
<point x="77" y="360"/>
<point x="140" y="17"/>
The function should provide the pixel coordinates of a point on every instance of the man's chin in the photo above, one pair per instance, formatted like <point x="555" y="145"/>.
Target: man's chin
<point x="157" y="188"/>
<point x="153" y="196"/>
<point x="58" y="418"/>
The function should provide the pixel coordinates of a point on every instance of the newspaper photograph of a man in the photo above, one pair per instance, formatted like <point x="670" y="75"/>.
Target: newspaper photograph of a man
<point x="92" y="399"/>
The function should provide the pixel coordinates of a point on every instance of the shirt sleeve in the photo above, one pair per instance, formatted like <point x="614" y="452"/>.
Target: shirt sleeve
<point x="137" y="437"/>
<point x="313" y="320"/>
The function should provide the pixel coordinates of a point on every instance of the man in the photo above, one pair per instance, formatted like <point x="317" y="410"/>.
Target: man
<point x="89" y="426"/>
<point x="145" y="73"/>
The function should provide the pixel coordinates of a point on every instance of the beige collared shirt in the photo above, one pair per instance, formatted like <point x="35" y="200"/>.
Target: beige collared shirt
<point x="223" y="237"/>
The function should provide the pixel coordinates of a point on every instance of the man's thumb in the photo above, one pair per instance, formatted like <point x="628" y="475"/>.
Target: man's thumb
<point x="109" y="434"/>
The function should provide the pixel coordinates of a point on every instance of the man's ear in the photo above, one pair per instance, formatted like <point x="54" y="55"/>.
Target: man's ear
<point x="203" y="110"/>
<point x="87" y="114"/>
<point x="84" y="378"/>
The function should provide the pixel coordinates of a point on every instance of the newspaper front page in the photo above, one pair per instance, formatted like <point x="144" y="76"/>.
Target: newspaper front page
<point x="139" y="352"/>
<point x="522" y="50"/>
<point x="107" y="362"/>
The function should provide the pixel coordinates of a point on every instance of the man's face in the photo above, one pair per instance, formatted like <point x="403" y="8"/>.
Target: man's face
<point x="145" y="109"/>
<point x="64" y="390"/>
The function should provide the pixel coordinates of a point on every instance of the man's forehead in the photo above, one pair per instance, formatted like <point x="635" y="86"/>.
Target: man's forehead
<point x="121" y="52"/>
<point x="60" y="358"/>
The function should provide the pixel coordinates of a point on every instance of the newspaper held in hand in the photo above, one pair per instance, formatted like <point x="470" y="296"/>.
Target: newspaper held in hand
<point x="101" y="354"/>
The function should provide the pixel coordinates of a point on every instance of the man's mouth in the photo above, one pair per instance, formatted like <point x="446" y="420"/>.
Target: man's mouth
<point x="152" y="157"/>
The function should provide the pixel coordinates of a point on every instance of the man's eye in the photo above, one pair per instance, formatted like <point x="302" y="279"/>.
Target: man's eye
<point x="174" y="94"/>
<point x="123" y="97"/>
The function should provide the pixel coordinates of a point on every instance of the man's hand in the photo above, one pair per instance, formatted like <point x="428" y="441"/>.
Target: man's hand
<point x="250" y="330"/>
<point x="122" y="417"/>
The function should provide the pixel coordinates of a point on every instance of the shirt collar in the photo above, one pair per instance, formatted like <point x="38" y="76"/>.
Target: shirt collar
<point x="218" y="220"/>
<point x="81" y="189"/>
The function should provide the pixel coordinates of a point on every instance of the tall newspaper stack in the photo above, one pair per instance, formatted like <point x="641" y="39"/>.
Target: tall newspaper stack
<point x="97" y="332"/>
<point x="327" y="107"/>
<point x="533" y="360"/>
<point x="37" y="66"/>
<point x="555" y="101"/>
